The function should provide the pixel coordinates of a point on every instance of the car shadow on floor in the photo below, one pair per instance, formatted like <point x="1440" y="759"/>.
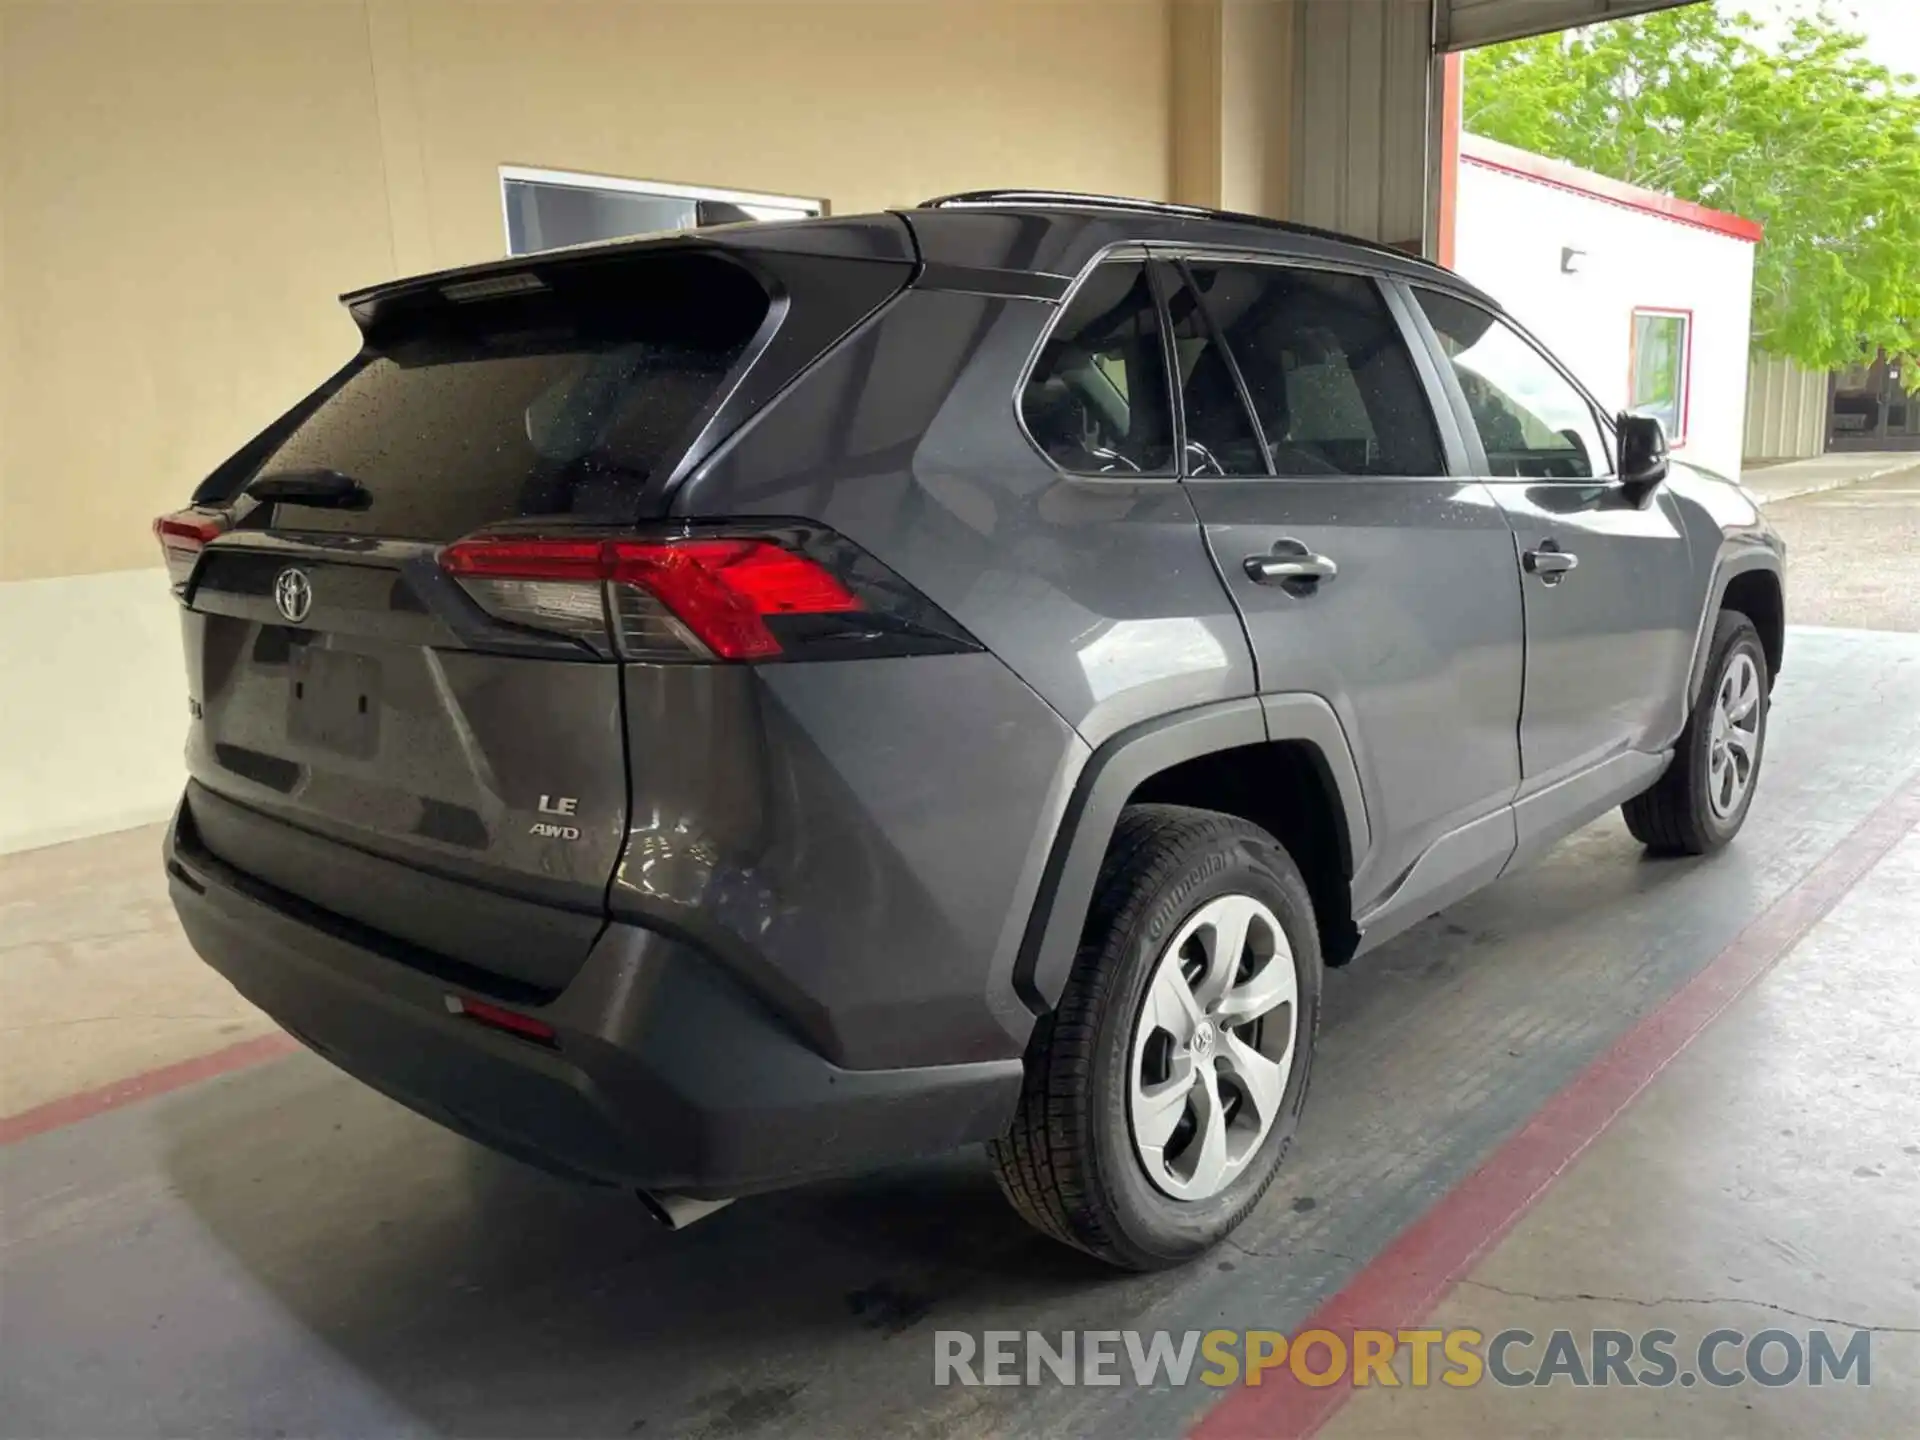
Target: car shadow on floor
<point x="487" y="1297"/>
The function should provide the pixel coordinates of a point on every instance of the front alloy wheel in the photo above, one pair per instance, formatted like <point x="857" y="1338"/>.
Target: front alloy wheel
<point x="1734" y="748"/>
<point x="1701" y="801"/>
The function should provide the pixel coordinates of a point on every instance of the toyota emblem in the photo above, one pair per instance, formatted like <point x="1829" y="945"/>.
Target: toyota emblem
<point x="293" y="594"/>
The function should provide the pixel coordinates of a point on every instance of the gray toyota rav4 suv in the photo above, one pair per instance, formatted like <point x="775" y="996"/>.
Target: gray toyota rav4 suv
<point x="714" y="710"/>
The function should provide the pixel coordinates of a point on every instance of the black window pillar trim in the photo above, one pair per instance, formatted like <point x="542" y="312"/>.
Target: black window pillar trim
<point x="1176" y="401"/>
<point x="1219" y="338"/>
<point x="1459" y="438"/>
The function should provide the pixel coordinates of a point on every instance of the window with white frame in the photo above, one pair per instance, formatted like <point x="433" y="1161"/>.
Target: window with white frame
<point x="549" y="208"/>
<point x="1662" y="368"/>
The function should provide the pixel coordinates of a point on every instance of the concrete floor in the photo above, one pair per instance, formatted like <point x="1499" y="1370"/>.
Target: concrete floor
<point x="1771" y="1178"/>
<point x="279" y="1250"/>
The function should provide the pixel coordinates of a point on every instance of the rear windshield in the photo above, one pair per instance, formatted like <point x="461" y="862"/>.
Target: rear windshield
<point x="563" y="397"/>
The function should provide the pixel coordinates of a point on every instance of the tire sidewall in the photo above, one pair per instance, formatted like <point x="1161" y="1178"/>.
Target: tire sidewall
<point x="1740" y="638"/>
<point x="1145" y="1218"/>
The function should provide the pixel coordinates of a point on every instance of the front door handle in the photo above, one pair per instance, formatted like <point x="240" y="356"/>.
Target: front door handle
<point x="1549" y="562"/>
<point x="1290" y="564"/>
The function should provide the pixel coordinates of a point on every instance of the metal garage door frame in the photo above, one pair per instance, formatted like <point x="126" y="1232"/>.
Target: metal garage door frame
<point x="1462" y="24"/>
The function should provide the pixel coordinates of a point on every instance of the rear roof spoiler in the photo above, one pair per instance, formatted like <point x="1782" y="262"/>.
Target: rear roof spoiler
<point x="882" y="237"/>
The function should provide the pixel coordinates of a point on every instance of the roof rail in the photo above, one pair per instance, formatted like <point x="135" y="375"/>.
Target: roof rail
<point x="1068" y="199"/>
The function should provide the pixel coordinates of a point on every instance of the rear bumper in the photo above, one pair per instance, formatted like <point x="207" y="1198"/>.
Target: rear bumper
<point x="665" y="1075"/>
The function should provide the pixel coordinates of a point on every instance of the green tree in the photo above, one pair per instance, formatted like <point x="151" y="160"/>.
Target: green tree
<point x="1788" y="124"/>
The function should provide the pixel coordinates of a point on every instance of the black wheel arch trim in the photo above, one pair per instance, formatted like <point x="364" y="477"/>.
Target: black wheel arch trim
<point x="1118" y="768"/>
<point x="1731" y="565"/>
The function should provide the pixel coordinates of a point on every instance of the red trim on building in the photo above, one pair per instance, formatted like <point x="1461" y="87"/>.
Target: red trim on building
<point x="1452" y="126"/>
<point x="1494" y="155"/>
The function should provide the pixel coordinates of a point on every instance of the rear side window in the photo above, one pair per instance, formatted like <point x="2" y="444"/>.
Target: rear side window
<point x="1097" y="399"/>
<point x="1325" y="365"/>
<point x="562" y="398"/>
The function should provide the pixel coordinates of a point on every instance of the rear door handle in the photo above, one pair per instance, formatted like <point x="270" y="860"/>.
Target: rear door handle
<point x="1549" y="562"/>
<point x="1291" y="564"/>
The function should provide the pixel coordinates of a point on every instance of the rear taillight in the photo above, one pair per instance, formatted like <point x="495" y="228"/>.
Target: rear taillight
<point x="182" y="536"/>
<point x="799" y="593"/>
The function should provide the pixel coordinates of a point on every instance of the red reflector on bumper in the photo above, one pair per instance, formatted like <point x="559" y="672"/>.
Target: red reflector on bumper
<point x="498" y="1017"/>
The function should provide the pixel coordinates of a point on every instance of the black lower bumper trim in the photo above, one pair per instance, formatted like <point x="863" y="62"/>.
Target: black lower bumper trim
<point x="664" y="1075"/>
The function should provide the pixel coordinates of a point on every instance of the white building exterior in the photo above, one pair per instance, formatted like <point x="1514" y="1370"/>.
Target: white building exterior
<point x="1647" y="299"/>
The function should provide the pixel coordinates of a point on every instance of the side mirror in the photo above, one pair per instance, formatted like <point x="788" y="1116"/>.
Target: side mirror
<point x="1643" y="452"/>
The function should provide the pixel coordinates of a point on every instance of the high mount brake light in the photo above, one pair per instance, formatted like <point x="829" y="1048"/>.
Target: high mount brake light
<point x="682" y="598"/>
<point x="183" y="534"/>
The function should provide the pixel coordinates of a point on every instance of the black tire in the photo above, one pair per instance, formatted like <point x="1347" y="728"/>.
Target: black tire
<point x="1676" y="816"/>
<point x="1069" y="1164"/>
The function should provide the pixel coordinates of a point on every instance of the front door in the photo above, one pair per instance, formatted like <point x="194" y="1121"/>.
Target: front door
<point x="1366" y="574"/>
<point x="1605" y="570"/>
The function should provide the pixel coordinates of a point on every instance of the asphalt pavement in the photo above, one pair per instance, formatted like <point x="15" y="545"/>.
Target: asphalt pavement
<point x="1853" y="554"/>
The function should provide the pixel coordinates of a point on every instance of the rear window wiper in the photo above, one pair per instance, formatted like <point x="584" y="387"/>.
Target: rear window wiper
<point x="319" y="487"/>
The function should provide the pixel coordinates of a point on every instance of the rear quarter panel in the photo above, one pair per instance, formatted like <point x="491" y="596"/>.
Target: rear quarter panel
<point x="895" y="840"/>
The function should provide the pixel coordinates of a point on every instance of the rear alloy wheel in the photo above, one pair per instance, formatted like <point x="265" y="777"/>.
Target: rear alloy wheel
<point x="1701" y="801"/>
<point x="1163" y="1092"/>
<point x="1213" y="1047"/>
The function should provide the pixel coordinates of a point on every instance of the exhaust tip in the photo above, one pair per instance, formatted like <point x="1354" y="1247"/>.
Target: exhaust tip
<point x="676" y="1212"/>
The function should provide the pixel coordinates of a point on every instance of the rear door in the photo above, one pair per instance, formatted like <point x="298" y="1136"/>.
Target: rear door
<point x="1366" y="573"/>
<point x="353" y="707"/>
<point x="1610" y="611"/>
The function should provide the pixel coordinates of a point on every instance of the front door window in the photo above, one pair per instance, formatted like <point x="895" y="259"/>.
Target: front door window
<point x="1533" y="423"/>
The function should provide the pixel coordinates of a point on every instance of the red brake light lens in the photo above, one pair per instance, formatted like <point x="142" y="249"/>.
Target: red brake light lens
<point x="182" y="536"/>
<point x="664" y="598"/>
<point x="724" y="590"/>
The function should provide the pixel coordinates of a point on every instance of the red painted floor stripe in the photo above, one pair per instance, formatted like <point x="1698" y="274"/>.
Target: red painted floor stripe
<point x="70" y="1109"/>
<point x="1407" y="1280"/>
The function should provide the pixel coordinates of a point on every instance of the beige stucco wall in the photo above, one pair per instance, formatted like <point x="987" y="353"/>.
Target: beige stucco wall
<point x="186" y="186"/>
<point x="1233" y="65"/>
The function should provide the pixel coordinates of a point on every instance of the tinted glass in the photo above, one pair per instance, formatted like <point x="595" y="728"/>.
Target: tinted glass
<point x="1221" y="439"/>
<point x="1533" y="423"/>
<point x="1326" y="368"/>
<point x="562" y="400"/>
<point x="1097" y="400"/>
